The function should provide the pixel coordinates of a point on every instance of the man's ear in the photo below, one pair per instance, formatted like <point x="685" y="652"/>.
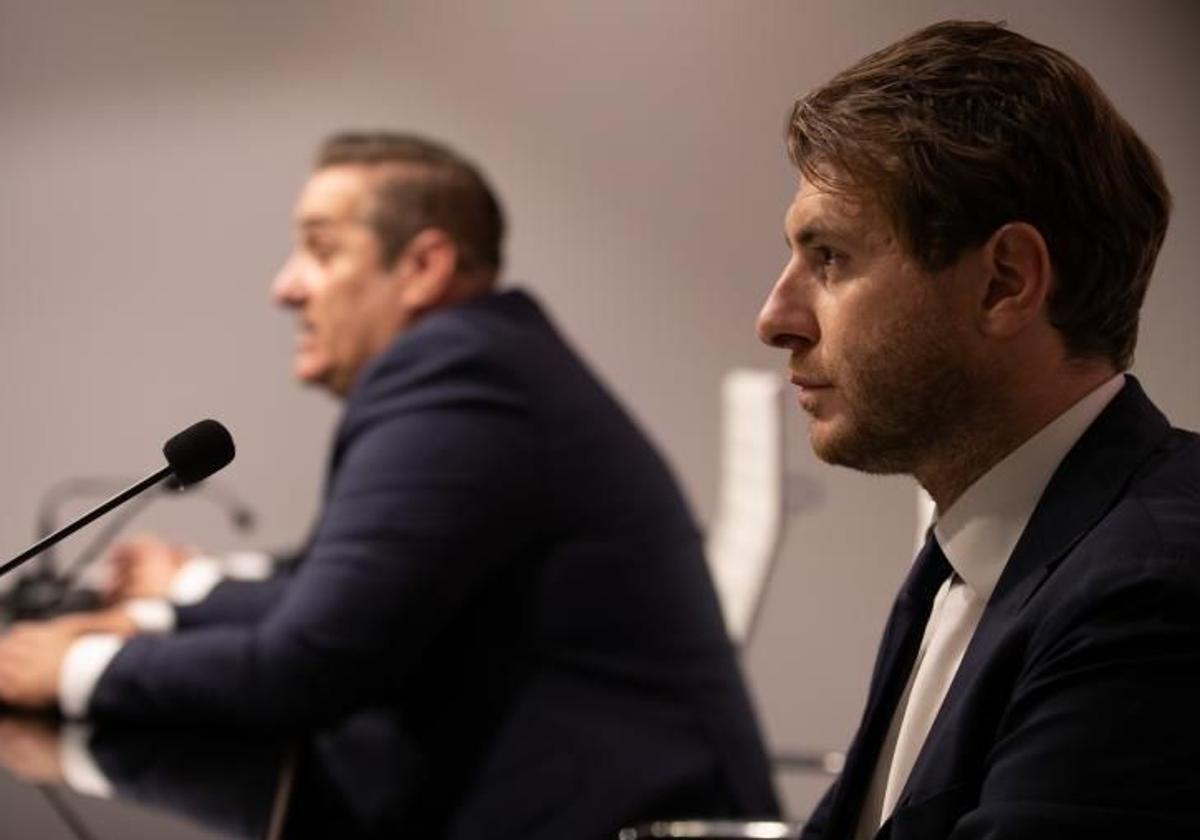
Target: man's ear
<point x="427" y="268"/>
<point x="1018" y="279"/>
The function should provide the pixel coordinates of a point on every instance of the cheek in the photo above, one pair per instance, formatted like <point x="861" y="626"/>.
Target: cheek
<point x="348" y="311"/>
<point x="879" y="350"/>
<point x="325" y="326"/>
<point x="331" y="305"/>
<point x="851" y="329"/>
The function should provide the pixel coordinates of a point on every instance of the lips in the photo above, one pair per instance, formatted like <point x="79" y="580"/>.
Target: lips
<point x="809" y="383"/>
<point x="808" y="393"/>
<point x="305" y="336"/>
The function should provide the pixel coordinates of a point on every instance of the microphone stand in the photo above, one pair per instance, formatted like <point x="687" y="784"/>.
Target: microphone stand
<point x="49" y="590"/>
<point x="192" y="455"/>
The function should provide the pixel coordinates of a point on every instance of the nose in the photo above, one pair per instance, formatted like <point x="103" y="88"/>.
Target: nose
<point x="787" y="318"/>
<point x="288" y="288"/>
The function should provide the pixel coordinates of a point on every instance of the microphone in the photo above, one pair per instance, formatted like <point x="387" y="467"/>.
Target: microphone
<point x="197" y="452"/>
<point x="192" y="455"/>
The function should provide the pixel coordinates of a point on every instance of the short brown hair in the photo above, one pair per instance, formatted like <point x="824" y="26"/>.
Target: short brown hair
<point x="428" y="186"/>
<point x="963" y="127"/>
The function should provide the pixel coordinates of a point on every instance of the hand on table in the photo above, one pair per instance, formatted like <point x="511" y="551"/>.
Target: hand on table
<point x="144" y="567"/>
<point x="31" y="653"/>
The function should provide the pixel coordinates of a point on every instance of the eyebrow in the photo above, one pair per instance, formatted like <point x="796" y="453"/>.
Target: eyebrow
<point x="314" y="223"/>
<point x="811" y="233"/>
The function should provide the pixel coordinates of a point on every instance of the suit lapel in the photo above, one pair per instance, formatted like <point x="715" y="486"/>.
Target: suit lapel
<point x="1090" y="480"/>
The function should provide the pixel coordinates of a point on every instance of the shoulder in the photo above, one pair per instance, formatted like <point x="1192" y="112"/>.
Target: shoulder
<point x="498" y="323"/>
<point x="466" y="354"/>
<point x="1141" y="560"/>
<point x="1159" y="512"/>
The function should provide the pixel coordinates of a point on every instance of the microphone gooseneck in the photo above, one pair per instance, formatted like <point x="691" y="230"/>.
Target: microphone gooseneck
<point x="192" y="455"/>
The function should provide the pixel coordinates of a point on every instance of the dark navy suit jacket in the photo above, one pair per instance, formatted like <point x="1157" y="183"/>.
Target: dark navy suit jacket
<point x="506" y="577"/>
<point x="1076" y="710"/>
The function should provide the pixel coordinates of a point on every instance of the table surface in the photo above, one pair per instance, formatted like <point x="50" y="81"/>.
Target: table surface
<point x="184" y="785"/>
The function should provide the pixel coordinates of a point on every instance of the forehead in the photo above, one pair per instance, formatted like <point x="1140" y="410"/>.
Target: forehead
<point x="334" y="194"/>
<point x="817" y="210"/>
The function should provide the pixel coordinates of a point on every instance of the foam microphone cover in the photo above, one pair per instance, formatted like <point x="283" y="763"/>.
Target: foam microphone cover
<point x="198" y="451"/>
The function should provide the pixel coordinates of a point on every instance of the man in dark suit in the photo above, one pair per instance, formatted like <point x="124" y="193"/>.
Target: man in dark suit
<point x="972" y="237"/>
<point x="504" y="581"/>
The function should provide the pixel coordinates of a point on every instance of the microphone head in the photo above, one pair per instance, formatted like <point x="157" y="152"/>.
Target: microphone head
<point x="198" y="451"/>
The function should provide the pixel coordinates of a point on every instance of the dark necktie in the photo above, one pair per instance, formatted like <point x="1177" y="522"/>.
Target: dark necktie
<point x="897" y="653"/>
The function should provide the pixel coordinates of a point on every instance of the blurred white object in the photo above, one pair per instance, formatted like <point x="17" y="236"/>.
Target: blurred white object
<point x="743" y="548"/>
<point x="745" y="536"/>
<point x="713" y="830"/>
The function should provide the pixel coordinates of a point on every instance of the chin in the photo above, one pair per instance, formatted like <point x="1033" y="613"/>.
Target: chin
<point x="826" y="442"/>
<point x="308" y="373"/>
<point x="855" y="449"/>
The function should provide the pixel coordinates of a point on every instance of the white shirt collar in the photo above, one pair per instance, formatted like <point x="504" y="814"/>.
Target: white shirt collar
<point x="981" y="529"/>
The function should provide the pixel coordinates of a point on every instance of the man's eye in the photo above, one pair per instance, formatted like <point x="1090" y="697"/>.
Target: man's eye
<point x="320" y="251"/>
<point x="825" y="258"/>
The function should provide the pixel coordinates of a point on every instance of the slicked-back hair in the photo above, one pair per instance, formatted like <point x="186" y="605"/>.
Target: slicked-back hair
<point x="963" y="127"/>
<point x="423" y="185"/>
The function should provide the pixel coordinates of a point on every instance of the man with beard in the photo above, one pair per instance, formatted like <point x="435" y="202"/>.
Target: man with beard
<point x="971" y="241"/>
<point x="504" y="608"/>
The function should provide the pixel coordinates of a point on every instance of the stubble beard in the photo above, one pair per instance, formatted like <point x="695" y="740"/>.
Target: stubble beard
<point x="909" y="399"/>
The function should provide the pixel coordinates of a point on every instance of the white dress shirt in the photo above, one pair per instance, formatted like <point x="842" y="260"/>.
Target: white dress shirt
<point x="977" y="534"/>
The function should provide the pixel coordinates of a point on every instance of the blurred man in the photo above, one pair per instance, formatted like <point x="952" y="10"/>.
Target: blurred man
<point x="503" y="564"/>
<point x="971" y="240"/>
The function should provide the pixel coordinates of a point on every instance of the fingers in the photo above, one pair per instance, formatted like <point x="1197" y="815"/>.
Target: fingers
<point x="26" y="634"/>
<point x="143" y="567"/>
<point x="139" y="549"/>
<point x="30" y="656"/>
<point x="15" y="659"/>
<point x="123" y="561"/>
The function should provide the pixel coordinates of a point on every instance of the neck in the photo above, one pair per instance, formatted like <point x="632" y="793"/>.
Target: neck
<point x="465" y="285"/>
<point x="1003" y="426"/>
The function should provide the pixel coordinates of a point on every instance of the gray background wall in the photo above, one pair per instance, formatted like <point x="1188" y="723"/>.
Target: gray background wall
<point x="150" y="151"/>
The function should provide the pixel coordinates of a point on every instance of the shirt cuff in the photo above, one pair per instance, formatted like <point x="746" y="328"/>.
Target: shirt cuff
<point x="81" y="669"/>
<point x="194" y="581"/>
<point x="79" y="769"/>
<point x="150" y="615"/>
<point x="248" y="565"/>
